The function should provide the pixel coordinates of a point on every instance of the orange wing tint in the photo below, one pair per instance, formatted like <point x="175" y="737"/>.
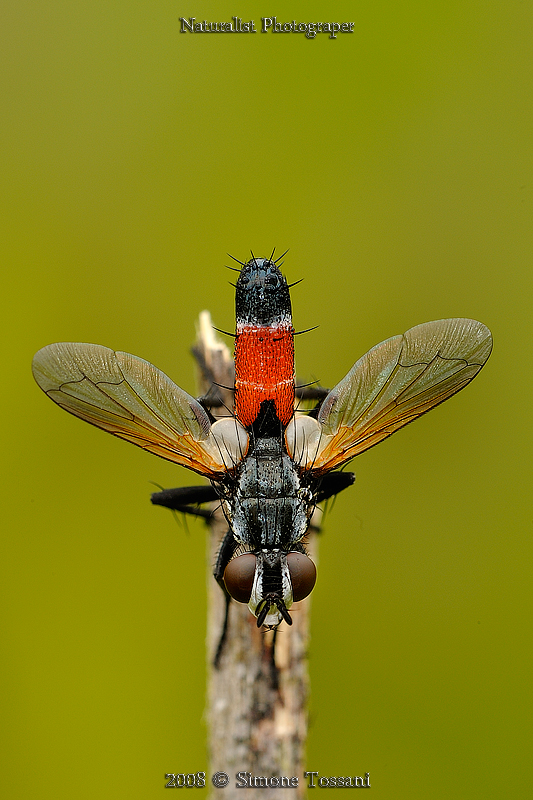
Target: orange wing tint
<point x="393" y="384"/>
<point x="130" y="398"/>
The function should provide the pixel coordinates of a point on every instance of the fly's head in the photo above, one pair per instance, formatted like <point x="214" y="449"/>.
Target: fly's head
<point x="269" y="581"/>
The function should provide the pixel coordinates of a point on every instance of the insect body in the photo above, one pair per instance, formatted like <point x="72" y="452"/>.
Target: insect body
<point x="268" y="504"/>
<point x="268" y="465"/>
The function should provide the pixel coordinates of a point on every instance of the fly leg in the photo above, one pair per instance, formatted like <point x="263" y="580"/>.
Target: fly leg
<point x="328" y="486"/>
<point x="225" y="554"/>
<point x="311" y="392"/>
<point x="186" y="499"/>
<point x="332" y="483"/>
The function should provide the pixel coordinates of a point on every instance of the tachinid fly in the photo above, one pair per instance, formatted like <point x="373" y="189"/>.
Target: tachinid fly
<point x="268" y="464"/>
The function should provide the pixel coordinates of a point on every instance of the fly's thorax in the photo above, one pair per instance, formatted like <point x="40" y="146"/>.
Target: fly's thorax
<point x="269" y="508"/>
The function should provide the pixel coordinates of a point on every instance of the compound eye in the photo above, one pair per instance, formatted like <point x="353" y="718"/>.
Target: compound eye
<point x="303" y="575"/>
<point x="239" y="577"/>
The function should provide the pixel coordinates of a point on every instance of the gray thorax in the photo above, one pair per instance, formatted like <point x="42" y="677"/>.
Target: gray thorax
<point x="270" y="508"/>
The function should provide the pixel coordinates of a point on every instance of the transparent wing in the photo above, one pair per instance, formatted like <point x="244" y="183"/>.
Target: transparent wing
<point x="130" y="398"/>
<point x="396" y="382"/>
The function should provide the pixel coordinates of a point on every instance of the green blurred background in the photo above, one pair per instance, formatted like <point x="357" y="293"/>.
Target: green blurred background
<point x="396" y="164"/>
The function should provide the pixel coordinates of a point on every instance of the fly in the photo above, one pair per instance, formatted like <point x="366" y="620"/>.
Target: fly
<point x="268" y="464"/>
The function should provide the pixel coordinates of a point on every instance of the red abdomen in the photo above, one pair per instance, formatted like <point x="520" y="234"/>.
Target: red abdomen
<point x="264" y="370"/>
